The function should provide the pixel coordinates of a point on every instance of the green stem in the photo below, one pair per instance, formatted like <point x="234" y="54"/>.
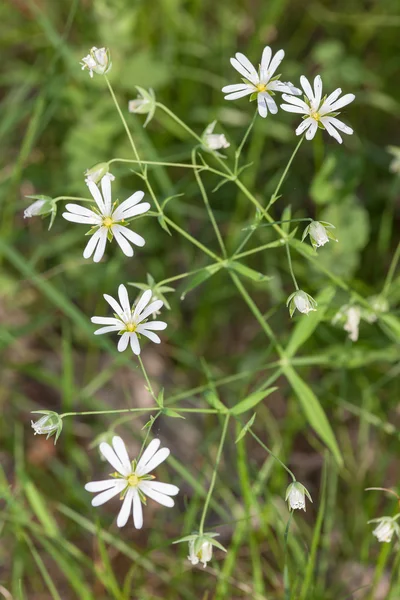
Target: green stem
<point x="214" y="475"/>
<point x="206" y="411"/>
<point x="285" y="172"/>
<point x="149" y="386"/>
<point x="208" y="207"/>
<point x="192" y="239"/>
<point x="73" y="198"/>
<point x="154" y="163"/>
<point x="181" y="276"/>
<point x="391" y="272"/>
<point x="291" y="266"/>
<point x="272" y="454"/>
<point x="125" y="124"/>
<point x="246" y="135"/>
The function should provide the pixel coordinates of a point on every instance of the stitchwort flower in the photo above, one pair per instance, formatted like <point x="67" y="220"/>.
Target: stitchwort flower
<point x="259" y="85"/>
<point x="213" y="141"/>
<point x="131" y="322"/>
<point x="302" y="301"/>
<point x="106" y="220"/>
<point x="318" y="112"/>
<point x="97" y="61"/>
<point x="386" y="528"/>
<point x="49" y="424"/>
<point x="144" y="104"/>
<point x="201" y="546"/>
<point x="296" y="496"/>
<point x="132" y="480"/>
<point x="319" y="233"/>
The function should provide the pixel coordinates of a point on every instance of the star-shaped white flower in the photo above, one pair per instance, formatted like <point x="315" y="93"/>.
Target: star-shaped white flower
<point x="318" y="111"/>
<point x="106" y="220"/>
<point x="132" y="480"/>
<point x="131" y="322"/>
<point x="261" y="83"/>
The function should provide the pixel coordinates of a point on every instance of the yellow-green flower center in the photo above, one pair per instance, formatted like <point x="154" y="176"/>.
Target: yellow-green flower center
<point x="316" y="116"/>
<point x="108" y="222"/>
<point x="131" y="327"/>
<point x="133" y="480"/>
<point x="261" y="87"/>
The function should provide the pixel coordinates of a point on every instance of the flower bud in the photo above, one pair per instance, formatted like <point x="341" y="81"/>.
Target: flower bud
<point x="42" y="207"/>
<point x="200" y="552"/>
<point x="49" y="424"/>
<point x="296" y="496"/>
<point x="319" y="233"/>
<point x="213" y="141"/>
<point x="302" y="301"/>
<point x="353" y="322"/>
<point x="96" y="173"/>
<point x="144" y="104"/>
<point x="387" y="526"/>
<point x="97" y="61"/>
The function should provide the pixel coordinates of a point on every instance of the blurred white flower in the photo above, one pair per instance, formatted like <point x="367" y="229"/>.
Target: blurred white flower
<point x="353" y="314"/>
<point x="296" y="496"/>
<point x="260" y="85"/>
<point x="387" y="526"/>
<point x="105" y="220"/>
<point x="302" y="301"/>
<point x="318" y="111"/>
<point x="97" y="61"/>
<point x="319" y="233"/>
<point x="35" y="209"/>
<point x="394" y="166"/>
<point x="49" y="424"/>
<point x="213" y="141"/>
<point x="203" y="554"/>
<point x="132" y="480"/>
<point x="96" y="173"/>
<point x="144" y="104"/>
<point x="130" y="323"/>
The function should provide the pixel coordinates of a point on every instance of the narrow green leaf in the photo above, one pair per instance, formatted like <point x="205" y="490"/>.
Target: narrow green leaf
<point x="314" y="412"/>
<point x="160" y="398"/>
<point x="251" y="401"/>
<point x="245" y="429"/>
<point x="213" y="400"/>
<point x="199" y="278"/>
<point x="40" y="509"/>
<point x="172" y="413"/>
<point x="247" y="272"/>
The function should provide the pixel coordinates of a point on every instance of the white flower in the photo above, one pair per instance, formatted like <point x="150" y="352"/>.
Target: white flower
<point x="394" y="166"/>
<point x="50" y="423"/>
<point x="131" y="322"/>
<point x="144" y="104"/>
<point x="213" y="141"/>
<point x="260" y="84"/>
<point x="319" y="233"/>
<point x="387" y="526"/>
<point x="34" y="209"/>
<point x="132" y="480"/>
<point x="353" y="314"/>
<point x="105" y="220"/>
<point x="302" y="301"/>
<point x="204" y="554"/>
<point x="96" y="173"/>
<point x="296" y="496"/>
<point x="318" y="111"/>
<point x="97" y="61"/>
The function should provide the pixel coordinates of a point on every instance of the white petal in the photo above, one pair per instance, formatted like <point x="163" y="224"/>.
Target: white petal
<point x="339" y="125"/>
<point x="280" y="86"/>
<point x="131" y="212"/>
<point x="265" y="59"/>
<point x="152" y="308"/>
<point x="113" y="459"/>
<point x="147" y="455"/>
<point x="92" y="243"/>
<point x="135" y="346"/>
<point x="101" y="246"/>
<point x="293" y="109"/>
<point x="128" y="203"/>
<point x="317" y="91"/>
<point x="137" y="511"/>
<point x="305" y="84"/>
<point x="275" y="62"/>
<point x="236" y="87"/>
<point x="123" y="342"/>
<point x="100" y="486"/>
<point x="262" y="105"/>
<point x="312" y="130"/>
<point x="124" y="300"/>
<point x="107" y="321"/>
<point x="304" y="125"/>
<point x="245" y="92"/>
<point x="133" y="237"/>
<point x="154" y="325"/>
<point x="149" y="334"/>
<point x="80" y="219"/>
<point x="331" y="130"/>
<point x="106" y="190"/>
<point x="124" y="513"/>
<point x="143" y="302"/>
<point x="81" y="210"/>
<point x="296" y="101"/>
<point x="157" y="459"/>
<point x="164" y="488"/>
<point x="114" y="304"/>
<point x="343" y="101"/>
<point x="121" y="452"/>
<point x="122" y="242"/>
<point x="108" y="494"/>
<point x="163" y="499"/>
<point x="94" y="190"/>
<point x="330" y="99"/>
<point x="242" y="64"/>
<point x="107" y="329"/>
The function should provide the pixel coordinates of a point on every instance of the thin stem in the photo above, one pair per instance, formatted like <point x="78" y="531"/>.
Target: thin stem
<point x="206" y="411"/>
<point x="258" y="249"/>
<point x="391" y="272"/>
<point x="285" y="172"/>
<point x="128" y="133"/>
<point x="291" y="266"/>
<point x="155" y="163"/>
<point x="73" y="198"/>
<point x="246" y="135"/>
<point x="181" y="276"/>
<point x="214" y="475"/>
<point x="272" y="454"/>
<point x="149" y="386"/>
<point x="192" y="239"/>
<point x="208" y="207"/>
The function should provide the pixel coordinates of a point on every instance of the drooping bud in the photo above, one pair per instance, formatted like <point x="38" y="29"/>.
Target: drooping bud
<point x="201" y="547"/>
<point x="319" y="233"/>
<point x="49" y="424"/>
<point x="41" y="207"/>
<point x="96" y="173"/>
<point x="97" y="61"/>
<point x="387" y="526"/>
<point x="296" y="496"/>
<point x="144" y="104"/>
<point x="302" y="301"/>
<point x="213" y="141"/>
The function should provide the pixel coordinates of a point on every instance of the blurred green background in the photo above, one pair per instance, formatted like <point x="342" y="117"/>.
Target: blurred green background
<point x="55" y="122"/>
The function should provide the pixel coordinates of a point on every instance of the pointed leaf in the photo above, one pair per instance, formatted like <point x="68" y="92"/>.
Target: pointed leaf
<point x="245" y="429"/>
<point x="251" y="401"/>
<point x="247" y="272"/>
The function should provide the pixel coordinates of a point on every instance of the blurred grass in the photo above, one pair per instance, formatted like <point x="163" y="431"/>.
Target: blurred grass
<point x="55" y="122"/>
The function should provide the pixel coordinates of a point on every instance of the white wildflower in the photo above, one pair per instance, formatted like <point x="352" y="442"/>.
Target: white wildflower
<point x="132" y="480"/>
<point x="394" y="166"/>
<point x="106" y="220"/>
<point x="144" y="104"/>
<point x="34" y="209"/>
<point x="302" y="301"/>
<point x="97" y="61"/>
<point x="131" y="322"/>
<point x="261" y="84"/>
<point x="49" y="424"/>
<point x="213" y="141"/>
<point x="296" y="496"/>
<point x="353" y="314"/>
<point x="203" y="554"/>
<point x="319" y="233"/>
<point x="318" y="111"/>
<point x="387" y="526"/>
